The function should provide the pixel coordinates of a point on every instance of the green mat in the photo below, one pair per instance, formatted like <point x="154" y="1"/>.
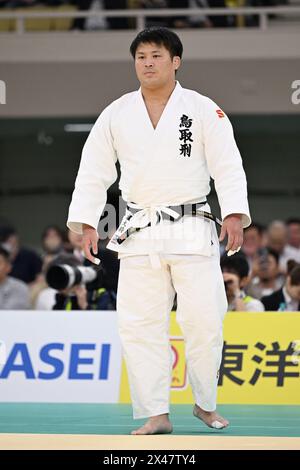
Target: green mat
<point x="60" y="418"/>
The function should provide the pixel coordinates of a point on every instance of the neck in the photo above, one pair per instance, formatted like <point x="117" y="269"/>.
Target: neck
<point x="268" y="282"/>
<point x="161" y="94"/>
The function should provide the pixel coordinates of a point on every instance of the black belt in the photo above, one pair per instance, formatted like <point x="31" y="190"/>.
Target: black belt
<point x="182" y="209"/>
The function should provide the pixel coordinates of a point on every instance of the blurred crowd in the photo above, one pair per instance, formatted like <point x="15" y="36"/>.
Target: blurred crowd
<point x="185" y="21"/>
<point x="263" y="275"/>
<point x="48" y="279"/>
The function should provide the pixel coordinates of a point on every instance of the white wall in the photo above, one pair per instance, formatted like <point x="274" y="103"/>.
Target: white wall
<point x="77" y="74"/>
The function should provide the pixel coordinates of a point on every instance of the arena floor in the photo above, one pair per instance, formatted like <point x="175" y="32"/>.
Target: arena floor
<point x="108" y="426"/>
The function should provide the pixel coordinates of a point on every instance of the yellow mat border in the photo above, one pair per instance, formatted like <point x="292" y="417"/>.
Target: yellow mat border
<point x="157" y="442"/>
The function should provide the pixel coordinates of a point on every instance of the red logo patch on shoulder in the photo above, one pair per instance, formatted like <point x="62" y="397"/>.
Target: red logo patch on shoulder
<point x="220" y="113"/>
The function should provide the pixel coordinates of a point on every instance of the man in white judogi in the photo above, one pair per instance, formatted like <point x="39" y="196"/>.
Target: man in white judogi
<point x="169" y="141"/>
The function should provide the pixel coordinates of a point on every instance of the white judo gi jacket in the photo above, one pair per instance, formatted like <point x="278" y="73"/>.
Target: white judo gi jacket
<point x="169" y="165"/>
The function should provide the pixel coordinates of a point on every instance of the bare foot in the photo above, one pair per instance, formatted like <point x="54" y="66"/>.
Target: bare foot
<point x="155" y="425"/>
<point x="210" y="418"/>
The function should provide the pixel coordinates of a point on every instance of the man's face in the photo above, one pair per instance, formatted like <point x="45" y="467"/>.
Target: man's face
<point x="75" y="239"/>
<point x="294" y="235"/>
<point x="252" y="241"/>
<point x="154" y="66"/>
<point x="232" y="282"/>
<point x="52" y="242"/>
<point x="294" y="291"/>
<point x="5" y="268"/>
<point x="277" y="238"/>
<point x="267" y="267"/>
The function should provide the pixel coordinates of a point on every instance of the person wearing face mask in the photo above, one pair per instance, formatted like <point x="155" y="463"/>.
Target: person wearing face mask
<point x="52" y="240"/>
<point x="286" y="299"/>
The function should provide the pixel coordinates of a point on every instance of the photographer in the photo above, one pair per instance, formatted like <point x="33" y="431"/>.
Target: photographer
<point x="78" y="287"/>
<point x="235" y="271"/>
<point x="74" y="298"/>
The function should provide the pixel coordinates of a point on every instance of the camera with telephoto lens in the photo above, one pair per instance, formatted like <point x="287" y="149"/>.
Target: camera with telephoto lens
<point x="65" y="272"/>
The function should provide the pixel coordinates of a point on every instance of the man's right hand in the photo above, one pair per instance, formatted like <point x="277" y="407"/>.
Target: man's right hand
<point x="90" y="240"/>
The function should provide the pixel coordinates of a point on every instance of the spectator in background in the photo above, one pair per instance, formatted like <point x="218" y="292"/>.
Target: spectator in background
<point x="74" y="245"/>
<point x="178" y="21"/>
<point x="41" y="295"/>
<point x="116" y="23"/>
<point x="253" y="242"/>
<point x="26" y="263"/>
<point x="165" y="21"/>
<point x="277" y="241"/>
<point x="235" y="270"/>
<point x="52" y="240"/>
<point x="293" y="239"/>
<point x="45" y="296"/>
<point x="288" y="297"/>
<point x="82" y="5"/>
<point x="199" y="20"/>
<point x="153" y="5"/>
<point x="268" y="278"/>
<point x="220" y="21"/>
<point x="14" y="294"/>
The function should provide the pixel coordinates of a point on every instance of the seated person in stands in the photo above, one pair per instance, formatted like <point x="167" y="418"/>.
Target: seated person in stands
<point x="52" y="239"/>
<point x="26" y="263"/>
<point x="266" y="276"/>
<point x="287" y="298"/>
<point x="14" y="294"/>
<point x="235" y="270"/>
<point x="253" y="243"/>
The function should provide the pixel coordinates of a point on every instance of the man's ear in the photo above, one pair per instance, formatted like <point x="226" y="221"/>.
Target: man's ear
<point x="176" y="62"/>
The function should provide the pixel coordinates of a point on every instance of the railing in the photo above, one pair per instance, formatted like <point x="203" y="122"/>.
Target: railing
<point x="141" y="15"/>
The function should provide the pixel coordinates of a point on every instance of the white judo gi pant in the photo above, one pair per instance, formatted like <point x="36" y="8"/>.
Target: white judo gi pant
<point x="145" y="299"/>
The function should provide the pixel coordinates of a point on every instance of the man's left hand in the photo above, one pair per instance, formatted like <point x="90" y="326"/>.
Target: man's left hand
<point x="233" y="228"/>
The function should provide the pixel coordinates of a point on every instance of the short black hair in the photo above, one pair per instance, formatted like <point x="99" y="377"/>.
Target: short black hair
<point x="236" y="264"/>
<point x="6" y="231"/>
<point x="4" y="253"/>
<point x="54" y="227"/>
<point x="293" y="271"/>
<point x="273" y="253"/>
<point x="160" y="36"/>
<point x="257" y="226"/>
<point x="293" y="220"/>
<point x="65" y="258"/>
